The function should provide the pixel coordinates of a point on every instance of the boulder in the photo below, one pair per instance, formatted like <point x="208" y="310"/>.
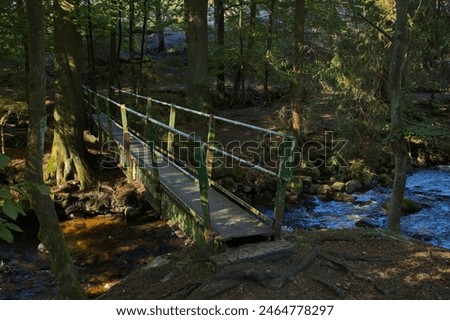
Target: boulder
<point x="323" y="189"/>
<point x="353" y="186"/>
<point x="312" y="172"/>
<point x="307" y="180"/>
<point x="340" y="196"/>
<point x="296" y="185"/>
<point x="408" y="206"/>
<point x="312" y="189"/>
<point x="385" y="180"/>
<point x="338" y="186"/>
<point x="133" y="214"/>
<point x="364" y="223"/>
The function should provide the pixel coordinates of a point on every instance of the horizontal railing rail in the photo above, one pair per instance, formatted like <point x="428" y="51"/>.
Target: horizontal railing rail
<point x="202" y="150"/>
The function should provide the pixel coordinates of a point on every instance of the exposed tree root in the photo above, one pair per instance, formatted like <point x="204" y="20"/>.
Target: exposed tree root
<point x="182" y="293"/>
<point x="326" y="237"/>
<point x="341" y="293"/>
<point x="354" y="271"/>
<point x="305" y="263"/>
<point x="210" y="290"/>
<point x="275" y="279"/>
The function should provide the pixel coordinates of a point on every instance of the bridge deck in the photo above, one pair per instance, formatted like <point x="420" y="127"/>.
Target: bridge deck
<point x="228" y="219"/>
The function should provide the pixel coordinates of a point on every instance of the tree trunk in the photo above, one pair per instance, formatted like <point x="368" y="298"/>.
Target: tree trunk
<point x="399" y="145"/>
<point x="131" y="47"/>
<point x="50" y="233"/>
<point x="250" y="55"/>
<point x="112" y="67"/>
<point x="68" y="160"/>
<point x="197" y="52"/>
<point x="219" y="17"/>
<point x="297" y="86"/>
<point x="269" y="48"/>
<point x="91" y="52"/>
<point x="159" y="24"/>
<point x="238" y="79"/>
<point x="119" y="47"/>
<point x="143" y="41"/>
<point x="21" y="9"/>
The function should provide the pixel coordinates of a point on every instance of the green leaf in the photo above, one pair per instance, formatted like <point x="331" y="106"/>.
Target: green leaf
<point x="5" y="194"/>
<point x="12" y="209"/>
<point x="43" y="189"/>
<point x="13" y="227"/>
<point x="22" y="192"/>
<point x="6" y="235"/>
<point x="4" y="160"/>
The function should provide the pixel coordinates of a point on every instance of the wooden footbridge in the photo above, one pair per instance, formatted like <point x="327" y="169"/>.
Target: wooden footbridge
<point x="160" y="144"/>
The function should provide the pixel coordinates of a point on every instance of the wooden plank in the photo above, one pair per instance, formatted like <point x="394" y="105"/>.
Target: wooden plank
<point x="227" y="218"/>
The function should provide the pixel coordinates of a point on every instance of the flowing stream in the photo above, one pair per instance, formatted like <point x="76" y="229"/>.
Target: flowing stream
<point x="430" y="187"/>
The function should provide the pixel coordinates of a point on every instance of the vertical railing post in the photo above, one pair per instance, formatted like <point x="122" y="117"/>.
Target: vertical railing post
<point x="149" y="134"/>
<point x="284" y="176"/>
<point x="170" y="135"/>
<point x="88" y="94"/>
<point x="109" y="120"/>
<point x="200" y="158"/>
<point x="126" y="142"/>
<point x="99" y="123"/>
<point x="210" y="154"/>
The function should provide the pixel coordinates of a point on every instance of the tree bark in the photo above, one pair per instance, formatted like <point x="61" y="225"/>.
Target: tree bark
<point x="197" y="52"/>
<point x="119" y="46"/>
<point x="143" y="44"/>
<point x="91" y="50"/>
<point x="238" y="78"/>
<point x="132" y="59"/>
<point x="219" y="17"/>
<point x="297" y="85"/>
<point x="159" y="24"/>
<point x="68" y="160"/>
<point x="269" y="48"/>
<point x="112" y="65"/>
<point x="399" y="145"/>
<point x="50" y="233"/>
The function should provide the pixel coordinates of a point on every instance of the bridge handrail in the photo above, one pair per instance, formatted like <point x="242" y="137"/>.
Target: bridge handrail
<point x="284" y="171"/>
<point x="208" y="146"/>
<point x="144" y="117"/>
<point x="203" y="114"/>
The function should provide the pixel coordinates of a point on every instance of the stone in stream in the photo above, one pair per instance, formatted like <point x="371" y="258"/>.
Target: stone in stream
<point x="338" y="186"/>
<point x="352" y="186"/>
<point x="408" y="206"/>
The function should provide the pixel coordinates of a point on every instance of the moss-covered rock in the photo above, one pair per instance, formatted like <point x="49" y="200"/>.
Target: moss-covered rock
<point x="338" y="186"/>
<point x="408" y="206"/>
<point x="310" y="171"/>
<point x="295" y="185"/>
<point x="385" y="180"/>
